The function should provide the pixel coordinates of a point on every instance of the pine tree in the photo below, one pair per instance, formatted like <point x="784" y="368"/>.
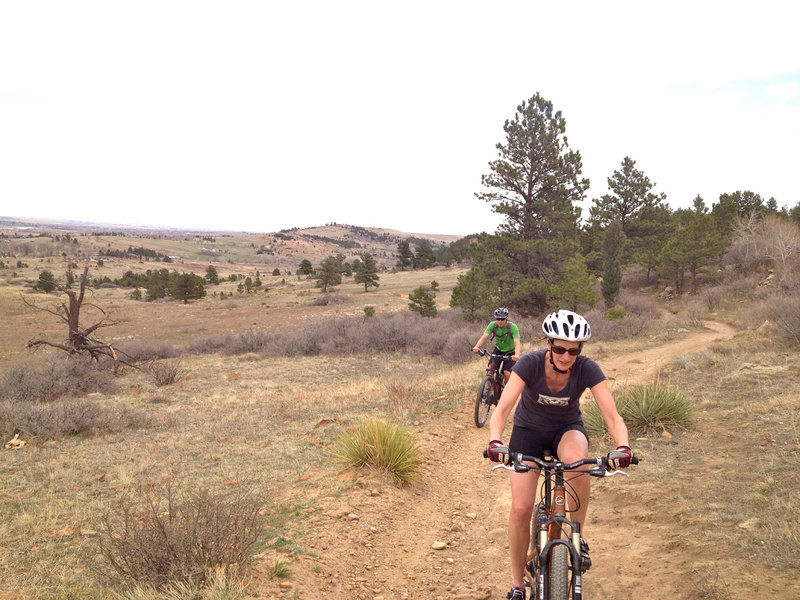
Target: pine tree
<point x="405" y="256"/>
<point x="329" y="273"/>
<point x="613" y="245"/>
<point x="367" y="272"/>
<point x="695" y="245"/>
<point x="422" y="302"/>
<point x="576" y="288"/>
<point x="536" y="184"/>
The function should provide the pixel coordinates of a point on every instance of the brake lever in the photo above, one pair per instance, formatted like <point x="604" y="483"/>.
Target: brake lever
<point x="616" y="472"/>
<point x="503" y="466"/>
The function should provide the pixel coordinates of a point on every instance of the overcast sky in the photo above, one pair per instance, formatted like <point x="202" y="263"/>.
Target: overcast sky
<point x="261" y="116"/>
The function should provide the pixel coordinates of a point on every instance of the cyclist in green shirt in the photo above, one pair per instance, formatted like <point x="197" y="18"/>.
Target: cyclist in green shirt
<point x="506" y="341"/>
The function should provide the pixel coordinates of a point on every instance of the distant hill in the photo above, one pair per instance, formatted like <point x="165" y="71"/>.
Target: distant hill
<point x="316" y="243"/>
<point x="282" y="249"/>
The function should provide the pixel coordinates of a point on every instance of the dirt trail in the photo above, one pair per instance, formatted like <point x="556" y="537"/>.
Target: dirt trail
<point x="643" y="367"/>
<point x="377" y="542"/>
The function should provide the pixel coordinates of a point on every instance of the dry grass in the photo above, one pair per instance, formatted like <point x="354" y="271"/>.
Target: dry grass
<point x="743" y="448"/>
<point x="229" y="419"/>
<point x="271" y="420"/>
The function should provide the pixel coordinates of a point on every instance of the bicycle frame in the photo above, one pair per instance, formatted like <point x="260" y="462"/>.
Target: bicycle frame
<point x="490" y="389"/>
<point x="547" y="525"/>
<point x="549" y="566"/>
<point x="493" y="369"/>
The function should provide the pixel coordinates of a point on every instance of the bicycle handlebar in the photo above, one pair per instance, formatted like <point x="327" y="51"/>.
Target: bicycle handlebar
<point x="483" y="352"/>
<point x="601" y="466"/>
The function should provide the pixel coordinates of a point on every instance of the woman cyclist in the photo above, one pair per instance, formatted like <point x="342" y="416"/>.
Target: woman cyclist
<point x="548" y="415"/>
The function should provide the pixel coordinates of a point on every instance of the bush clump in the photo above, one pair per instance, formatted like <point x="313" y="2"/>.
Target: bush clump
<point x="383" y="445"/>
<point x="54" y="376"/>
<point x="164" y="536"/>
<point x="615" y="313"/>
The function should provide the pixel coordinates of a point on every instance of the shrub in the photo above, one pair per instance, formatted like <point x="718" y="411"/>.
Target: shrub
<point x="329" y="299"/>
<point x="69" y="416"/>
<point x="54" y="376"/>
<point x="166" y="373"/>
<point x="782" y="314"/>
<point x="645" y="408"/>
<point x="369" y="310"/>
<point x="615" y="313"/>
<point x="387" y="332"/>
<point x="143" y="351"/>
<point x="383" y="445"/>
<point x="631" y="326"/>
<point x="163" y="536"/>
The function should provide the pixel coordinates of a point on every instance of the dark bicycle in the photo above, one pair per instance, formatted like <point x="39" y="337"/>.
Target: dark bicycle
<point x="554" y="560"/>
<point x="490" y="389"/>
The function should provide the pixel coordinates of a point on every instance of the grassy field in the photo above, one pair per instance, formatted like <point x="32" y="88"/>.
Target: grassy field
<point x="264" y="422"/>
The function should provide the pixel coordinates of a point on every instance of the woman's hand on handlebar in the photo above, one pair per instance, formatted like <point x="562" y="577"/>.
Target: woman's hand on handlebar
<point x="496" y="452"/>
<point x="620" y="458"/>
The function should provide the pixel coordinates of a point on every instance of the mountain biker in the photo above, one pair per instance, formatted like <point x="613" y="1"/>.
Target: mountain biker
<point x="506" y="342"/>
<point x="548" y="415"/>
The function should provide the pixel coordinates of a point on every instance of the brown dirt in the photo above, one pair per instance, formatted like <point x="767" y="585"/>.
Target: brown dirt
<point x="376" y="542"/>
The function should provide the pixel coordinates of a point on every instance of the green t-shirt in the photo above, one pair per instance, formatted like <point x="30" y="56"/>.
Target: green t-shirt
<point x="502" y="340"/>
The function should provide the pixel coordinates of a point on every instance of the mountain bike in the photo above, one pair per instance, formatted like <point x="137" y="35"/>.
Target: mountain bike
<point x="490" y="389"/>
<point x="554" y="563"/>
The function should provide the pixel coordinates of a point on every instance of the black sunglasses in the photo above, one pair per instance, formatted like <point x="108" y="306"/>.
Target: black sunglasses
<point x="561" y="350"/>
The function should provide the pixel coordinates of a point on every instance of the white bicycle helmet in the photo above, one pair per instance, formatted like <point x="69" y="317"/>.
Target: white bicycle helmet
<point x="566" y="325"/>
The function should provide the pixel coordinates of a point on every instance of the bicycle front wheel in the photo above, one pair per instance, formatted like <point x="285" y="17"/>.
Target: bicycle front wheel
<point x="483" y="402"/>
<point x="558" y="573"/>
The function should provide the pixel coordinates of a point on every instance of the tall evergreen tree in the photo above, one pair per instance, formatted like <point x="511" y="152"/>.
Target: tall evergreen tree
<point x="535" y="183"/>
<point x="576" y="288"/>
<point x="695" y="245"/>
<point x="639" y="210"/>
<point x="649" y="231"/>
<point x="367" y="272"/>
<point x="613" y="244"/>
<point x="329" y="273"/>
<point x="405" y="256"/>
<point x="471" y="296"/>
<point x="746" y="202"/>
<point x="423" y="255"/>
<point x="631" y="191"/>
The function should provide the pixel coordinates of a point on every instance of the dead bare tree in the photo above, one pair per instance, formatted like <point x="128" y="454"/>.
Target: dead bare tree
<point x="79" y="340"/>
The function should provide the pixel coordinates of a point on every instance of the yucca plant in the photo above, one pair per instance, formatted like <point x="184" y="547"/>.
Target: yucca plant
<point x="645" y="408"/>
<point x="380" y="444"/>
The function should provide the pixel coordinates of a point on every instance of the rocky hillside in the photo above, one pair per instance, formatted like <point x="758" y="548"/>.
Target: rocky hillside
<point x="283" y="249"/>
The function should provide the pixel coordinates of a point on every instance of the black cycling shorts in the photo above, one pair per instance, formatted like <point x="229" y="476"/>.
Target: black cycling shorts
<point x="504" y="364"/>
<point x="534" y="441"/>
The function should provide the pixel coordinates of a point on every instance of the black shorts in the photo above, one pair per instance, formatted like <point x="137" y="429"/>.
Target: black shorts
<point x="534" y="441"/>
<point x="503" y="364"/>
